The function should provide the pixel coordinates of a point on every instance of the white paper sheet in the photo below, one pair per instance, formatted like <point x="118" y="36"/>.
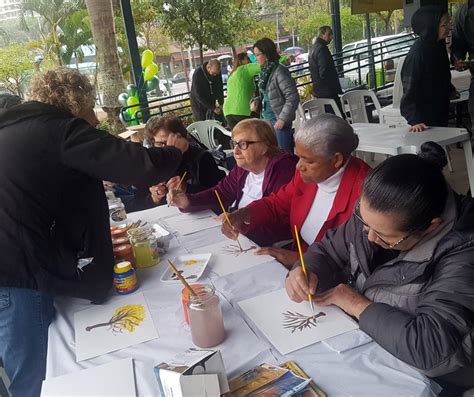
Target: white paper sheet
<point x="118" y="324"/>
<point x="192" y="223"/>
<point x="270" y="312"/>
<point x="154" y="214"/>
<point x="227" y="257"/>
<point x="112" y="379"/>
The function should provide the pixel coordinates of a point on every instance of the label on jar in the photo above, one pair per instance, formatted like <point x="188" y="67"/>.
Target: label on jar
<point x="118" y="215"/>
<point x="126" y="283"/>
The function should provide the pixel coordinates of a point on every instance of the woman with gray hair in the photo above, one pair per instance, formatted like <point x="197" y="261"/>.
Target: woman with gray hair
<point x="322" y="194"/>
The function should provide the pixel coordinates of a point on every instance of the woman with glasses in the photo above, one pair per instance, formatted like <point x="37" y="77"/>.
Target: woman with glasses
<point x="201" y="169"/>
<point x="403" y="265"/>
<point x="261" y="169"/>
<point x="322" y="193"/>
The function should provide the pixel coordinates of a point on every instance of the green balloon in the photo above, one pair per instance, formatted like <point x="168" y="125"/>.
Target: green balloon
<point x="132" y="90"/>
<point x="131" y="101"/>
<point x="152" y="84"/>
<point x="122" y="98"/>
<point x="150" y="71"/>
<point x="147" y="58"/>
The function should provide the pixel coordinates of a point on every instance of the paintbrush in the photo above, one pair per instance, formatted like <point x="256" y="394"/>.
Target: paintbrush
<point x="179" y="184"/>
<point x="226" y="217"/>
<point x="304" y="269"/>
<point x="181" y="278"/>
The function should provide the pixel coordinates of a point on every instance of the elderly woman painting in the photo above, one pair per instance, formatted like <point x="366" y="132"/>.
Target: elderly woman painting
<point x="322" y="193"/>
<point x="403" y="265"/>
<point x="261" y="169"/>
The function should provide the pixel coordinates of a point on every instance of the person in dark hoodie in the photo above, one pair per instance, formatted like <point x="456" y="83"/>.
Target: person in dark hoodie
<point x="54" y="218"/>
<point x="463" y="44"/>
<point x="403" y="265"/>
<point x="323" y="71"/>
<point x="206" y="91"/>
<point x="426" y="77"/>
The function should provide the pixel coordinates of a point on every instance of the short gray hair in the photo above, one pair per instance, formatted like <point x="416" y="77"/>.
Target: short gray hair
<point x="214" y="62"/>
<point x="327" y="134"/>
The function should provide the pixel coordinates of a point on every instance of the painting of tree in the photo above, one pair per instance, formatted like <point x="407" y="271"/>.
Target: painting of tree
<point x="124" y="318"/>
<point x="297" y="321"/>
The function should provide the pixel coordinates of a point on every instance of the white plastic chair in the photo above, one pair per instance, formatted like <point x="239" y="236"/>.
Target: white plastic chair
<point x="315" y="107"/>
<point x="204" y="132"/>
<point x="354" y="102"/>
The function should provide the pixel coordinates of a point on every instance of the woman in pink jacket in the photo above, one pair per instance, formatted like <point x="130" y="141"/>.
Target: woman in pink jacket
<point x="262" y="168"/>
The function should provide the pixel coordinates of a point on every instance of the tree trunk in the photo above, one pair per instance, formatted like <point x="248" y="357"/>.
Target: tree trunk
<point x="201" y="55"/>
<point x="110" y="75"/>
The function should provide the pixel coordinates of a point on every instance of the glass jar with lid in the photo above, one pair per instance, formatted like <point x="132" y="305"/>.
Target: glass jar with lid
<point x="117" y="212"/>
<point x="205" y="318"/>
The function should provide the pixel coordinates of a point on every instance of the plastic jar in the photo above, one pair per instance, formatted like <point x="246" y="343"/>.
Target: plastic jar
<point x="120" y="241"/>
<point x="205" y="318"/>
<point x="124" y="252"/>
<point x="125" y="278"/>
<point x="145" y="246"/>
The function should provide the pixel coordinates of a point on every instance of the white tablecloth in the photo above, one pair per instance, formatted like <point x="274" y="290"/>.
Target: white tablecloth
<point x="365" y="370"/>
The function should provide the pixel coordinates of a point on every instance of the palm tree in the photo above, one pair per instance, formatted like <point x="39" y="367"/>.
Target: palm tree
<point x="4" y="36"/>
<point x="75" y="33"/>
<point x="52" y="13"/>
<point x="110" y="76"/>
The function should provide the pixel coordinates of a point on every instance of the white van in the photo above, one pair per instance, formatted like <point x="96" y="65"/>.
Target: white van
<point x="386" y="52"/>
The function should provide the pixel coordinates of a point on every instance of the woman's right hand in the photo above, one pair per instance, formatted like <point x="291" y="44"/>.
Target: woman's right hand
<point x="418" y="127"/>
<point x="297" y="287"/>
<point x="238" y="219"/>
<point x="178" y="141"/>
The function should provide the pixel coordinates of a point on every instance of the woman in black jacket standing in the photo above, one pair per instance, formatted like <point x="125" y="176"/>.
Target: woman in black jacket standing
<point x="426" y="75"/>
<point x="54" y="214"/>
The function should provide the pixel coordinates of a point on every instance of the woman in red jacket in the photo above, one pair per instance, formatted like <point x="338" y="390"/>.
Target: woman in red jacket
<point x="262" y="168"/>
<point x="322" y="193"/>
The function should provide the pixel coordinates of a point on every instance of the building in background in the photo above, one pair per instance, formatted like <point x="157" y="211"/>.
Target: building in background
<point x="9" y="9"/>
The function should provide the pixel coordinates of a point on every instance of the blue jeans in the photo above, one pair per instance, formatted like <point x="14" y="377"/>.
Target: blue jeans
<point x="25" y="316"/>
<point x="284" y="137"/>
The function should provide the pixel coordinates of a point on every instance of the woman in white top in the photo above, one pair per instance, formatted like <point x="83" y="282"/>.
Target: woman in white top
<point x="261" y="169"/>
<point x="322" y="193"/>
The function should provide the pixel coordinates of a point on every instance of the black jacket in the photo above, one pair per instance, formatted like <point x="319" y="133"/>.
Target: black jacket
<point x="463" y="33"/>
<point x="206" y="90"/>
<point x="426" y="77"/>
<point x="53" y="209"/>
<point x="423" y="310"/>
<point x="323" y="71"/>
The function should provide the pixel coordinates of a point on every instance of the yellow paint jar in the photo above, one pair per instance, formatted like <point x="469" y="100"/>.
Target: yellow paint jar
<point x="145" y="247"/>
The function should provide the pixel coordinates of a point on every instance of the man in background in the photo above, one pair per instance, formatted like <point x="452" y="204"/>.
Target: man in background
<point x="463" y="44"/>
<point x="207" y="93"/>
<point x="323" y="71"/>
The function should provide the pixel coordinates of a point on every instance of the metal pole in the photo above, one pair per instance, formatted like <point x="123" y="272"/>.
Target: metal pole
<point x="371" y="54"/>
<point x="278" y="31"/>
<point x="336" y="25"/>
<point x="135" y="56"/>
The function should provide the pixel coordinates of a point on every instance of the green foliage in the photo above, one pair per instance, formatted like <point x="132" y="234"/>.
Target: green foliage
<point x="75" y="33"/>
<point x="16" y="65"/>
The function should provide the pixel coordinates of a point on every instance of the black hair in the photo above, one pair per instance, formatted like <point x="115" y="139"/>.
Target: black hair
<point x="268" y="48"/>
<point x="324" y="29"/>
<point x="411" y="186"/>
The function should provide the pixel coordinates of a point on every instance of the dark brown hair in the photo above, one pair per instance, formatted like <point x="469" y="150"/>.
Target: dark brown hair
<point x="268" y="48"/>
<point x="171" y="124"/>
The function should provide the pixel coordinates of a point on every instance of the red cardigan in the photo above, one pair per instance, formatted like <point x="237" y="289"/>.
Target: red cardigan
<point x="278" y="172"/>
<point x="295" y="199"/>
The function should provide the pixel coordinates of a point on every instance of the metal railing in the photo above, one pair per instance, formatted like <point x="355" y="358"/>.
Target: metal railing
<point x="363" y="61"/>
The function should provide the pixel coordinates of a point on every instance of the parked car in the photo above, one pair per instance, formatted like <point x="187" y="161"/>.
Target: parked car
<point x="179" y="77"/>
<point x="386" y="52"/>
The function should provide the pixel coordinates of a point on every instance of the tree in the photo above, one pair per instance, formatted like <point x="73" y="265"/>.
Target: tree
<point x="16" y="64"/>
<point x="202" y="23"/>
<point x="110" y="76"/>
<point x="75" y="33"/>
<point x="53" y="13"/>
<point x="124" y="318"/>
<point x="4" y="36"/>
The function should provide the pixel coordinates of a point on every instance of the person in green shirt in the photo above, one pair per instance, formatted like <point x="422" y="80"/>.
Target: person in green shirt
<point x="240" y="90"/>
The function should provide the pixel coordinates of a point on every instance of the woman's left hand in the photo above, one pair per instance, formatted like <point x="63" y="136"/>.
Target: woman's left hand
<point x="279" y="124"/>
<point x="285" y="257"/>
<point x="344" y="297"/>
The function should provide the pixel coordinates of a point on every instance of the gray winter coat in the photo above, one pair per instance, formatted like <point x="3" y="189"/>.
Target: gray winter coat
<point x="283" y="95"/>
<point x="423" y="310"/>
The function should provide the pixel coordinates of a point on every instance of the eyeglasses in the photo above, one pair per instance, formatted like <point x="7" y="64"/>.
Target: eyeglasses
<point x="158" y="143"/>
<point x="367" y="228"/>
<point x="243" y="145"/>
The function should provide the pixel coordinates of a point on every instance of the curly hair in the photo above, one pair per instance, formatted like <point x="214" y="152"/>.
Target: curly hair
<point x="171" y="124"/>
<point x="66" y="89"/>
